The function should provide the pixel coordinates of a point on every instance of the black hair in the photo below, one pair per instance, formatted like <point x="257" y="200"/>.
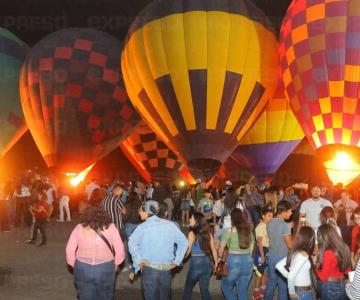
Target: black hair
<point x="96" y="217"/>
<point x="305" y="241"/>
<point x="283" y="206"/>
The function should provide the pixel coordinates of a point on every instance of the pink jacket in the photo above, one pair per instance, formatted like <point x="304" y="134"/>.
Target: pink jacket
<point x="88" y="247"/>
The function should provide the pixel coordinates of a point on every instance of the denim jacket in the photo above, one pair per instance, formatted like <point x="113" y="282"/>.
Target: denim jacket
<point x="154" y="242"/>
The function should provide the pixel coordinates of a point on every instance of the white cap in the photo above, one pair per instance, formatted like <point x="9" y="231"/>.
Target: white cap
<point x="228" y="182"/>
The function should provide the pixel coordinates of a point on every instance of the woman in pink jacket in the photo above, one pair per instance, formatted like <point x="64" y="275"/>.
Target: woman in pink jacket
<point x="95" y="251"/>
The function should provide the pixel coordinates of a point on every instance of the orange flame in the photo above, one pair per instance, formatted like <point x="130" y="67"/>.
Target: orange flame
<point x="75" y="181"/>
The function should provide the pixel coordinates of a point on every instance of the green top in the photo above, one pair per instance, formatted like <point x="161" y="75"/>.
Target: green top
<point x="232" y="241"/>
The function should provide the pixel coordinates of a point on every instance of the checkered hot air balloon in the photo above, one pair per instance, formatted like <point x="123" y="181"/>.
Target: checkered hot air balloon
<point x="151" y="157"/>
<point x="200" y="72"/>
<point x="12" y="55"/>
<point x="73" y="97"/>
<point x="320" y="60"/>
<point x="271" y="139"/>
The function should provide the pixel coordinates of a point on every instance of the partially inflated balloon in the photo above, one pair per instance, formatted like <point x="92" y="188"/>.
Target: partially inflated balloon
<point x="151" y="157"/>
<point x="272" y="138"/>
<point x="200" y="72"/>
<point x="73" y="97"/>
<point x="320" y="60"/>
<point x="12" y="55"/>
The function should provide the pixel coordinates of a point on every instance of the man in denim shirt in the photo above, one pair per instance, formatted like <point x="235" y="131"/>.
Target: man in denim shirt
<point x="152" y="246"/>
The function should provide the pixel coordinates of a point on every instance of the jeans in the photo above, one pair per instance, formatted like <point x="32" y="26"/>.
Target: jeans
<point x="129" y="229"/>
<point x="275" y="280"/>
<point x="304" y="295"/>
<point x="94" y="282"/>
<point x="200" y="270"/>
<point x="254" y="213"/>
<point x="333" y="291"/>
<point x="240" y="267"/>
<point x="40" y="224"/>
<point x="156" y="285"/>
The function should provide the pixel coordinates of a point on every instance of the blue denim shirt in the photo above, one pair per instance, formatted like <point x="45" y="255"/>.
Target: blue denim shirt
<point x="154" y="241"/>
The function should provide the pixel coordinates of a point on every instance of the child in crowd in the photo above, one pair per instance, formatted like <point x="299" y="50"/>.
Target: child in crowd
<point x="296" y="267"/>
<point x="261" y="252"/>
<point x="40" y="211"/>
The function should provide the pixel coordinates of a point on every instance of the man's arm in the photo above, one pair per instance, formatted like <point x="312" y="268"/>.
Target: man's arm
<point x="134" y="247"/>
<point x="182" y="245"/>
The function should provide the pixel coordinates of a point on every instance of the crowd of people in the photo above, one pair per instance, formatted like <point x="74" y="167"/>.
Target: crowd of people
<point x="298" y="242"/>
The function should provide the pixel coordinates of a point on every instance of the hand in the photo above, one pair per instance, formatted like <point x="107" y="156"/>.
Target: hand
<point x="262" y="259"/>
<point x="291" y="225"/>
<point x="173" y="266"/>
<point x="294" y="296"/>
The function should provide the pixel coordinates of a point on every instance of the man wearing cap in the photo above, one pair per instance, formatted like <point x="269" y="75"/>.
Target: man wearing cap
<point x="152" y="247"/>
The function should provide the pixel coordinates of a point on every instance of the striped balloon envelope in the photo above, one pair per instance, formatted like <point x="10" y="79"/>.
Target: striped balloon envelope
<point x="152" y="158"/>
<point x="12" y="123"/>
<point x="74" y="99"/>
<point x="320" y="61"/>
<point x="200" y="72"/>
<point x="272" y="138"/>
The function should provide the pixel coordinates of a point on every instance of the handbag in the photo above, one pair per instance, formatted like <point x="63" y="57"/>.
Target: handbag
<point x="221" y="269"/>
<point x="106" y="242"/>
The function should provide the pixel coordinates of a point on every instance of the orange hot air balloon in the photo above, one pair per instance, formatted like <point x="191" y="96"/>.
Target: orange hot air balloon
<point x="200" y="73"/>
<point x="151" y="157"/>
<point x="73" y="97"/>
<point x="320" y="61"/>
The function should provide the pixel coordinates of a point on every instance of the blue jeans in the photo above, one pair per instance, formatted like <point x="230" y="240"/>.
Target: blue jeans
<point x="333" y="291"/>
<point x="200" y="270"/>
<point x="254" y="213"/>
<point x="156" y="285"/>
<point x="94" y="282"/>
<point x="129" y="229"/>
<point x="304" y="295"/>
<point x="240" y="267"/>
<point x="275" y="280"/>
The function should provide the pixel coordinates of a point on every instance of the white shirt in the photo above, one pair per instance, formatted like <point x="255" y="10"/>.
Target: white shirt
<point x="50" y="196"/>
<point x="90" y="188"/>
<point x="299" y="271"/>
<point x="218" y="208"/>
<point x="312" y="209"/>
<point x="349" y="204"/>
<point x="149" y="192"/>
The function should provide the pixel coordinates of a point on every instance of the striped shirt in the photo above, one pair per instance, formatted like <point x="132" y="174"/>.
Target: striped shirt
<point x="113" y="206"/>
<point x="353" y="288"/>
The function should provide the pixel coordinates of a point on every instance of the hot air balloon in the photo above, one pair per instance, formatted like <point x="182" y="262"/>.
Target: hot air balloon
<point x="271" y="139"/>
<point x="73" y="97"/>
<point x="199" y="73"/>
<point x="151" y="157"/>
<point x="12" y="124"/>
<point x="320" y="61"/>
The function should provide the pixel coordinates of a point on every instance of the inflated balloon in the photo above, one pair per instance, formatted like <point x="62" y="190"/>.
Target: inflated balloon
<point x="151" y="157"/>
<point x="271" y="139"/>
<point x="200" y="72"/>
<point x="320" y="60"/>
<point x="12" y="55"/>
<point x="73" y="97"/>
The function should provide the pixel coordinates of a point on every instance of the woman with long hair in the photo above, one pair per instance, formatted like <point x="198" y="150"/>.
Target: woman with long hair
<point x="132" y="220"/>
<point x="240" y="243"/>
<point x="296" y="267"/>
<point x="203" y="256"/>
<point x="95" y="251"/>
<point x="332" y="263"/>
<point x="327" y="216"/>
